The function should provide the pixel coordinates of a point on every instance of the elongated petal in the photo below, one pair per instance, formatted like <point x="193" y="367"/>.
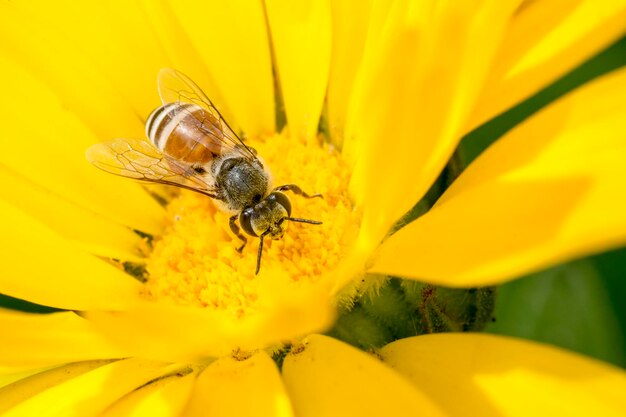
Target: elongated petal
<point x="46" y="339"/>
<point x="114" y="37"/>
<point x="544" y="41"/>
<point x="164" y="397"/>
<point x="181" y="50"/>
<point x="25" y="388"/>
<point x="26" y="46"/>
<point x="481" y="375"/>
<point x="350" y="22"/>
<point x="90" y="393"/>
<point x="171" y="333"/>
<point x="547" y="192"/>
<point x="96" y="234"/>
<point x="330" y="378"/>
<point x="10" y="374"/>
<point x="301" y="36"/>
<point x="218" y="391"/>
<point x="47" y="147"/>
<point x="233" y="43"/>
<point x="419" y="86"/>
<point x="40" y="266"/>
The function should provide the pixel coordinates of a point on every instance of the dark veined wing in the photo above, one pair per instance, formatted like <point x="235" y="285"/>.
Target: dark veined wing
<point x="176" y="87"/>
<point x="140" y="160"/>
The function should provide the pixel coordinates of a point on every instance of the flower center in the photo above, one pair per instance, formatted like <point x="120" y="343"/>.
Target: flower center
<point x="195" y="262"/>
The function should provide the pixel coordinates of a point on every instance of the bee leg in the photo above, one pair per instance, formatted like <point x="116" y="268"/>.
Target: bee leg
<point x="296" y="190"/>
<point x="235" y="229"/>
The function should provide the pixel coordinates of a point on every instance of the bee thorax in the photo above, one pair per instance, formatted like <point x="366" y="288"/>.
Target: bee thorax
<point x="243" y="183"/>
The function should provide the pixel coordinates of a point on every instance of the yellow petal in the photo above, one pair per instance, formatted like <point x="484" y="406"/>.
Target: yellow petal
<point x="233" y="44"/>
<point x="232" y="387"/>
<point x="94" y="233"/>
<point x="180" y="50"/>
<point x="47" y="147"/>
<point x="350" y="21"/>
<point x="31" y="41"/>
<point x="330" y="378"/>
<point x="547" y="192"/>
<point x="154" y="330"/>
<point x="483" y="375"/>
<point x="301" y="36"/>
<point x="10" y="374"/>
<point x="544" y="41"/>
<point x="419" y="86"/>
<point x="377" y="26"/>
<point x="90" y="393"/>
<point x="164" y="397"/>
<point x="30" y="385"/>
<point x="40" y="266"/>
<point x="114" y="36"/>
<point x="46" y="339"/>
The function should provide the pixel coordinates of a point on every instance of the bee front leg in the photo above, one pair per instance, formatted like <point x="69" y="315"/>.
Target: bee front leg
<point x="296" y="190"/>
<point x="235" y="229"/>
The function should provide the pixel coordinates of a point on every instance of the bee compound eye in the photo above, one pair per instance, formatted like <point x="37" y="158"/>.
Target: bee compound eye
<point x="245" y="220"/>
<point x="283" y="200"/>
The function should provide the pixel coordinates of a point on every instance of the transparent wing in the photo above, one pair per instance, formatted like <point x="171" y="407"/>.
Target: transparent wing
<point x="176" y="87"/>
<point x="140" y="160"/>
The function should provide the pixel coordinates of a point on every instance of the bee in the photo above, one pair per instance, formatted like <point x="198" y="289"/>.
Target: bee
<point x="192" y="147"/>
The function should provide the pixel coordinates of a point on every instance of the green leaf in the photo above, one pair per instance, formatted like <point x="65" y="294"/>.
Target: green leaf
<point x="567" y="306"/>
<point x="612" y="266"/>
<point x="12" y="303"/>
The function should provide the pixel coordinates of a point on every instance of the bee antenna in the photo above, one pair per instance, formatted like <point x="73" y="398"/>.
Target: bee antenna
<point x="259" y="253"/>
<point x="298" y="220"/>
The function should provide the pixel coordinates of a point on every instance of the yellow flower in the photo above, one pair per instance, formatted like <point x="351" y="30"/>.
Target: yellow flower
<point x="403" y="81"/>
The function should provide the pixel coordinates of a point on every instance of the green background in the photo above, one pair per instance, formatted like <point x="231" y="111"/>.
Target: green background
<point x="580" y="305"/>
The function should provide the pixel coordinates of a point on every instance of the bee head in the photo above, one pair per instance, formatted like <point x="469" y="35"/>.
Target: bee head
<point x="267" y="218"/>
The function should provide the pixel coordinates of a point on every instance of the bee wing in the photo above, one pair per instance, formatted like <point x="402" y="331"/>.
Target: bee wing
<point x="140" y="160"/>
<point x="176" y="87"/>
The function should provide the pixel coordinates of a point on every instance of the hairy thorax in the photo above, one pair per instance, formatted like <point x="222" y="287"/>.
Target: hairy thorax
<point x="243" y="183"/>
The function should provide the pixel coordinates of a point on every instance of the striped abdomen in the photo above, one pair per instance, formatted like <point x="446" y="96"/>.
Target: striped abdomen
<point x="186" y="132"/>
